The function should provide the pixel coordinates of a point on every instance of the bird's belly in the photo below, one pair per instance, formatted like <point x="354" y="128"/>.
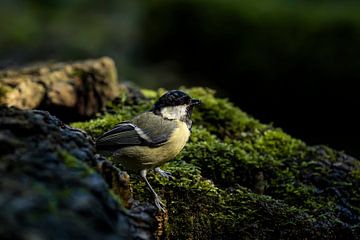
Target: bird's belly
<point x="142" y="157"/>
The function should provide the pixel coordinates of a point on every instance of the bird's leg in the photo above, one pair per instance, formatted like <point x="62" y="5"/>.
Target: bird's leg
<point x="158" y="202"/>
<point x="163" y="173"/>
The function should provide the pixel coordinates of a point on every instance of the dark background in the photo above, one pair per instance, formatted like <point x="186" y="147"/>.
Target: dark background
<point x="293" y="63"/>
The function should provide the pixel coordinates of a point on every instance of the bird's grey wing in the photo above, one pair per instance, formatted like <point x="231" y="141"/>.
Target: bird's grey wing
<point x="122" y="134"/>
<point x="147" y="129"/>
<point x="157" y="129"/>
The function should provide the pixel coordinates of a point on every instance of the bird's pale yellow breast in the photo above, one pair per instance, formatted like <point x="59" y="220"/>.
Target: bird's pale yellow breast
<point x="178" y="139"/>
<point x="147" y="157"/>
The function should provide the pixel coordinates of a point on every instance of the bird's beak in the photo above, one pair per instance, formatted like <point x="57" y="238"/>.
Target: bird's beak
<point x="195" y="102"/>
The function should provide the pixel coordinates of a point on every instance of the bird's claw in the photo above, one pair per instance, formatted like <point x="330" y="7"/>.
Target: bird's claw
<point x="160" y="205"/>
<point x="164" y="173"/>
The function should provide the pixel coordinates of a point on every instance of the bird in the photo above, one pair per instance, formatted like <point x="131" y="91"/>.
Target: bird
<point x="151" y="138"/>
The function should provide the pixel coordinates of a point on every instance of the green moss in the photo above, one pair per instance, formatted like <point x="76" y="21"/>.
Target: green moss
<point x="198" y="209"/>
<point x="73" y="163"/>
<point x="119" y="113"/>
<point x="98" y="126"/>
<point x="281" y="161"/>
<point x="4" y="89"/>
<point x="221" y="117"/>
<point x="239" y="161"/>
<point x="356" y="173"/>
<point x="238" y="177"/>
<point x="85" y="170"/>
<point x="151" y="94"/>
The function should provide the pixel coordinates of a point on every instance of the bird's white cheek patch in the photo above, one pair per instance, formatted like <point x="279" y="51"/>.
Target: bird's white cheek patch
<point x="174" y="112"/>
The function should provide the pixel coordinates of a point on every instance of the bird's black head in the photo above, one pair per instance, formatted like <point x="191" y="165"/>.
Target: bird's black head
<point x="175" y="98"/>
<point x="175" y="104"/>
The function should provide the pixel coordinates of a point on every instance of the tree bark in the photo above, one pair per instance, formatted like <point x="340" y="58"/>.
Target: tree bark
<point x="54" y="186"/>
<point x="71" y="91"/>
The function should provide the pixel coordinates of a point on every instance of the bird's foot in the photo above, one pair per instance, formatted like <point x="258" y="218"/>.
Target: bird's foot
<point x="160" y="205"/>
<point x="164" y="173"/>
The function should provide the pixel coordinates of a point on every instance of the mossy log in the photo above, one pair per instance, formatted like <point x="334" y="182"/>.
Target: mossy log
<point x="53" y="186"/>
<point x="240" y="179"/>
<point x="235" y="179"/>
<point x="74" y="90"/>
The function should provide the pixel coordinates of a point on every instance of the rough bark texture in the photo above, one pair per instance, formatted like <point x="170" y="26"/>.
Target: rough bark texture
<point x="52" y="186"/>
<point x="71" y="91"/>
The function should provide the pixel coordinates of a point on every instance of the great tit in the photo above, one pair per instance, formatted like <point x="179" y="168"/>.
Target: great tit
<point x="151" y="138"/>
